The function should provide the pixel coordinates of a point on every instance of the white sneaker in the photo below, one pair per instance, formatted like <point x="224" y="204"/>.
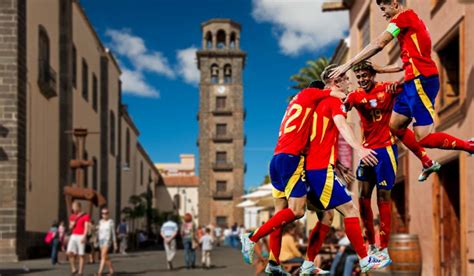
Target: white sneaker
<point x="373" y="250"/>
<point x="425" y="172"/>
<point x="308" y="268"/>
<point x="383" y="255"/>
<point x="275" y="270"/>
<point x="371" y="263"/>
<point x="247" y="248"/>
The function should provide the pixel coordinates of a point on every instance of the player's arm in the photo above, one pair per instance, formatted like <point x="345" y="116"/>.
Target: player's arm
<point x="366" y="155"/>
<point x="369" y="51"/>
<point x="317" y="94"/>
<point x="395" y="68"/>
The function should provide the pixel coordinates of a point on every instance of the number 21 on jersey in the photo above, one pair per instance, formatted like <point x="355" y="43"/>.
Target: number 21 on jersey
<point x="293" y="113"/>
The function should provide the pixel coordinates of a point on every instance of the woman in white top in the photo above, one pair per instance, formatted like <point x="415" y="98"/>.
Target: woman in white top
<point x="107" y="238"/>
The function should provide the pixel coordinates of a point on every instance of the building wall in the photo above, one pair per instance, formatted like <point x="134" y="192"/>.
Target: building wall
<point x="190" y="196"/>
<point x="422" y="199"/>
<point x="128" y="172"/>
<point x="42" y="122"/>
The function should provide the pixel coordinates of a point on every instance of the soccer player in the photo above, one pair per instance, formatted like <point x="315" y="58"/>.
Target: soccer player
<point x="421" y="77"/>
<point x="286" y="172"/>
<point x="326" y="191"/>
<point x="374" y="102"/>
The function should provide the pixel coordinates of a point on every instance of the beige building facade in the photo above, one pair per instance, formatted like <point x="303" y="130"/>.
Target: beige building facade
<point x="221" y="117"/>
<point x="56" y="76"/>
<point x="439" y="210"/>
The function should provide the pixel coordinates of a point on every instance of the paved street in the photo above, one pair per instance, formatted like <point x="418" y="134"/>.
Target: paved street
<point x="227" y="262"/>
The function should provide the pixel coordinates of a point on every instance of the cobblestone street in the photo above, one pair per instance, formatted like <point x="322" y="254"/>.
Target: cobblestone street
<point x="226" y="261"/>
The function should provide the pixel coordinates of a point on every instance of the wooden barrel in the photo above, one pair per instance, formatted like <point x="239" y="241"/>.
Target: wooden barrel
<point x="404" y="250"/>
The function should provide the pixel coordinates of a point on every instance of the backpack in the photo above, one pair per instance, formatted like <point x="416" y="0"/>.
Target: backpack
<point x="49" y="237"/>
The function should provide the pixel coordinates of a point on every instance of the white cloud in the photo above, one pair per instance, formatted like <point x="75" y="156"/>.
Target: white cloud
<point x="301" y="25"/>
<point x="135" y="84"/>
<point x="134" y="48"/>
<point x="187" y="66"/>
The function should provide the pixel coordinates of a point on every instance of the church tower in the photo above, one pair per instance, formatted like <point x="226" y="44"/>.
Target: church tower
<point x="221" y="118"/>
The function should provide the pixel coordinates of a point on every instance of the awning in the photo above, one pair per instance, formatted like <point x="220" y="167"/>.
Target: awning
<point x="258" y="194"/>
<point x="246" y="203"/>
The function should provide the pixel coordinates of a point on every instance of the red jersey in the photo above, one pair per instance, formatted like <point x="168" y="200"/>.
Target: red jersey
<point x="294" y="128"/>
<point x="374" y="108"/>
<point x="80" y="226"/>
<point x="415" y="44"/>
<point x="324" y="134"/>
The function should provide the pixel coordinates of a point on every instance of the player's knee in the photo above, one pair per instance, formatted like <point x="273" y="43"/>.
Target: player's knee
<point x="328" y="218"/>
<point x="384" y="195"/>
<point x="298" y="212"/>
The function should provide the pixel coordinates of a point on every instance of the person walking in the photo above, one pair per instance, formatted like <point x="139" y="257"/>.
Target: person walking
<point x="107" y="238"/>
<point x="168" y="232"/>
<point x="188" y="233"/>
<point x="218" y="235"/>
<point x="78" y="223"/>
<point x="62" y="235"/>
<point x="122" y="231"/>
<point x="54" y="234"/>
<point x="206" y="242"/>
<point x="92" y="241"/>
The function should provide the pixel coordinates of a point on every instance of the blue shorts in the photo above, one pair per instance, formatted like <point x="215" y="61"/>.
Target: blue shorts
<point x="325" y="191"/>
<point x="417" y="100"/>
<point x="287" y="175"/>
<point x="385" y="172"/>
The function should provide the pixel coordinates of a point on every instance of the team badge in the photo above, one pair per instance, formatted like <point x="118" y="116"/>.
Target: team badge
<point x="373" y="103"/>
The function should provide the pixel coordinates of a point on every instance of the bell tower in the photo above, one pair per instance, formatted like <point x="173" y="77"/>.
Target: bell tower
<point x="221" y="118"/>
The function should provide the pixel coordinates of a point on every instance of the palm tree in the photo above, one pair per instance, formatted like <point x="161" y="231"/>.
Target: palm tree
<point x="311" y="72"/>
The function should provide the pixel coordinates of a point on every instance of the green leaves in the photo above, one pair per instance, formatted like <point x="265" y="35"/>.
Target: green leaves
<point x="311" y="72"/>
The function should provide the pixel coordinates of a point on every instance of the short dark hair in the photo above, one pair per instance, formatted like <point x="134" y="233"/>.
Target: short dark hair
<point x="364" y="65"/>
<point x="316" y="84"/>
<point x="386" y="2"/>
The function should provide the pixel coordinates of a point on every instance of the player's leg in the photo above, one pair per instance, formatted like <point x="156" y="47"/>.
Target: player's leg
<point x="273" y="266"/>
<point x="423" y="94"/>
<point x="365" y="175"/>
<point x="290" y="170"/>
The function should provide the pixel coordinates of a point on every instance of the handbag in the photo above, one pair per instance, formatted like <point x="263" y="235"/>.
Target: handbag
<point x="49" y="237"/>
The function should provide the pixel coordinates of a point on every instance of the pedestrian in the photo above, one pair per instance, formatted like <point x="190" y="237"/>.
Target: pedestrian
<point x="218" y="235"/>
<point x="227" y="236"/>
<point x="235" y="236"/>
<point x="107" y="238"/>
<point x="62" y="235"/>
<point x="78" y="223"/>
<point x="188" y="233"/>
<point x="54" y="234"/>
<point x="206" y="242"/>
<point x="92" y="241"/>
<point x="168" y="232"/>
<point x="122" y="231"/>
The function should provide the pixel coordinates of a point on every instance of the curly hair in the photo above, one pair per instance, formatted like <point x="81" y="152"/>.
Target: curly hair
<point x="364" y="65"/>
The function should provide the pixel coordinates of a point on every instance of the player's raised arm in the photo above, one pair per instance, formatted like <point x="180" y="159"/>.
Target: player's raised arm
<point x="369" y="51"/>
<point x="366" y="155"/>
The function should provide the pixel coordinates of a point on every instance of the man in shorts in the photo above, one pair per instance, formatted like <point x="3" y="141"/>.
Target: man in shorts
<point x="78" y="224"/>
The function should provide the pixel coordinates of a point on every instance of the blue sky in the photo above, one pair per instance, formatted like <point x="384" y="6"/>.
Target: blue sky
<point x="155" y="40"/>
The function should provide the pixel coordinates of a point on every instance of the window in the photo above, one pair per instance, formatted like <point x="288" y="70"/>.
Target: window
<point x="74" y="66"/>
<point x="46" y="74"/>
<point x="450" y="73"/>
<point x="222" y="221"/>
<point x="208" y="40"/>
<point x="221" y="157"/>
<point x="95" y="94"/>
<point x="364" y="30"/>
<point x="221" y="39"/>
<point x="232" y="40"/>
<point x="177" y="201"/>
<point x="221" y="186"/>
<point x="85" y="80"/>
<point x="227" y="73"/>
<point x="127" y="148"/>
<point x="94" y="174"/>
<point x="141" y="173"/>
<point x="220" y="102"/>
<point x="221" y="129"/>
<point x="112" y="133"/>
<point x="214" y="74"/>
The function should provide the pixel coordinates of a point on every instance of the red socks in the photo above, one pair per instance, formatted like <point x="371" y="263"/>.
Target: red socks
<point x="385" y="209"/>
<point x="275" y="246"/>
<point x="280" y="219"/>
<point x="367" y="219"/>
<point x="445" y="141"/>
<point x="316" y="239"/>
<point x="354" y="233"/>
<point x="408" y="139"/>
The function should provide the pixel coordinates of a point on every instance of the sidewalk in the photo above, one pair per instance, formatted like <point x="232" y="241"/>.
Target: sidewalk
<point x="227" y="261"/>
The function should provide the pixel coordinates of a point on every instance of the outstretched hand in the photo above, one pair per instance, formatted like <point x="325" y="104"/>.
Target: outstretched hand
<point x="344" y="173"/>
<point x="340" y="70"/>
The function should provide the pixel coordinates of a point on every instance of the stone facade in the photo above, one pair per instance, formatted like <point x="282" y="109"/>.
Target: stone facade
<point x="221" y="118"/>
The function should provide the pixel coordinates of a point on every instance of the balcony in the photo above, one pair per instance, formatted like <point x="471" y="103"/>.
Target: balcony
<point x="222" y="138"/>
<point x="47" y="79"/>
<point x="222" y="166"/>
<point x="222" y="112"/>
<point x="222" y="195"/>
